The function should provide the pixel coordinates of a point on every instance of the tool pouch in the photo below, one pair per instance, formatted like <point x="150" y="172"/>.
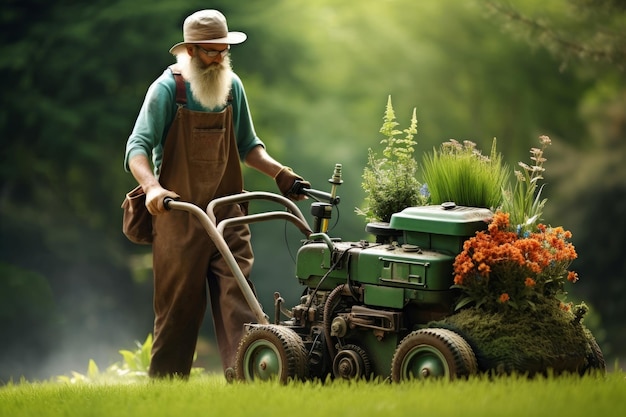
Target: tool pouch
<point x="137" y="221"/>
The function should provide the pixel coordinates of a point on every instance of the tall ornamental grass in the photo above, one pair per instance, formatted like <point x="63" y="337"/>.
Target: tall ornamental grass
<point x="460" y="173"/>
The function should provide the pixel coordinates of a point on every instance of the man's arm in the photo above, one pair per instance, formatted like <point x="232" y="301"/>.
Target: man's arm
<point x="155" y="194"/>
<point x="259" y="159"/>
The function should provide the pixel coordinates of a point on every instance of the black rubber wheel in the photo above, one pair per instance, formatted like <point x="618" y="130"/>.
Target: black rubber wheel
<point x="432" y="353"/>
<point x="302" y="360"/>
<point x="270" y="352"/>
<point x="469" y="358"/>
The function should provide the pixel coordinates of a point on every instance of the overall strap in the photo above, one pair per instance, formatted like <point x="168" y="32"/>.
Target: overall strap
<point x="181" y="91"/>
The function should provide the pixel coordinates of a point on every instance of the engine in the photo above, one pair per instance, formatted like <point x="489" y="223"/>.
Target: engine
<point x="361" y="298"/>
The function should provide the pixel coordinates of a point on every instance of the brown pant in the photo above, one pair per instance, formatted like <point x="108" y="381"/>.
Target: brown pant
<point x="186" y="265"/>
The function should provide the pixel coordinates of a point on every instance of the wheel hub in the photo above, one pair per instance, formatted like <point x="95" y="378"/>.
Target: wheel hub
<point x="263" y="360"/>
<point x="424" y="362"/>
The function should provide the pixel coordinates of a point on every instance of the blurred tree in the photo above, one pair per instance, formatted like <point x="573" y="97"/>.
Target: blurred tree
<point x="581" y="30"/>
<point x="27" y="309"/>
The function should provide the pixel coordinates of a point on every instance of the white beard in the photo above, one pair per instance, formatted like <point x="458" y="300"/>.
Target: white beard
<point x="210" y="85"/>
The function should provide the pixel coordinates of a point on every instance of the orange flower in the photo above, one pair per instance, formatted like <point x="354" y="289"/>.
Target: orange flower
<point x="507" y="258"/>
<point x="484" y="269"/>
<point x="479" y="256"/>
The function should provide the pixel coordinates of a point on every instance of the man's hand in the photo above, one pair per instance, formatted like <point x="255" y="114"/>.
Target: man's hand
<point x="154" y="199"/>
<point x="155" y="194"/>
<point x="285" y="180"/>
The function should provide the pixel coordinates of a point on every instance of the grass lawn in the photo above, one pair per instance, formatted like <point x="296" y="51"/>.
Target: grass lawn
<point x="210" y="395"/>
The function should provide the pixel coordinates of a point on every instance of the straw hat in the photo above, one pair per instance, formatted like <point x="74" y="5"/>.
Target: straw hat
<point x="207" y="26"/>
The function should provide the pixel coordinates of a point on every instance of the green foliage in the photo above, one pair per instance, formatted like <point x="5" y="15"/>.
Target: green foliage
<point x="390" y="181"/>
<point x="518" y="262"/>
<point x="133" y="367"/>
<point x="462" y="174"/>
<point x="524" y="203"/>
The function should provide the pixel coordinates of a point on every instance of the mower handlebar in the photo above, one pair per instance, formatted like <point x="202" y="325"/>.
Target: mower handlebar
<point x="299" y="188"/>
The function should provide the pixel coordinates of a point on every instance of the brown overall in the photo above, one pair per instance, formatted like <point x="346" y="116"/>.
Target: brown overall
<point x="200" y="163"/>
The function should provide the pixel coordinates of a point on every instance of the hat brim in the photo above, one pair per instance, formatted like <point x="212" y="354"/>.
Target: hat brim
<point x="233" y="38"/>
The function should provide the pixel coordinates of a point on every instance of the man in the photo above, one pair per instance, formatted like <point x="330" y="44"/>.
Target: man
<point x="197" y="133"/>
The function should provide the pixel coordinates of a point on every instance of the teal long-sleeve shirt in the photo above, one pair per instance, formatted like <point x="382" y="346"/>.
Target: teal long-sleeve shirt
<point x="158" y="111"/>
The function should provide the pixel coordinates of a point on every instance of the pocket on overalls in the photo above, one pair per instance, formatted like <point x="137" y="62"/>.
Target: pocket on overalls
<point x="208" y="145"/>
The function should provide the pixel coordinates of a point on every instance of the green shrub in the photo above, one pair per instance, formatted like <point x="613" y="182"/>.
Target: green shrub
<point x="390" y="181"/>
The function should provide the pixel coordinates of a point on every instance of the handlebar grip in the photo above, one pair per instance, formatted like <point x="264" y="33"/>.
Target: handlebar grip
<point x="166" y="202"/>
<point x="298" y="188"/>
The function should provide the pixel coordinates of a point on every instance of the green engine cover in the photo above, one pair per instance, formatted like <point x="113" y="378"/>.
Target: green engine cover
<point x="396" y="276"/>
<point x="391" y="276"/>
<point x="440" y="227"/>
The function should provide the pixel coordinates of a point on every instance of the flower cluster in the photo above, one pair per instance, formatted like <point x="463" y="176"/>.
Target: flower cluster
<point x="503" y="267"/>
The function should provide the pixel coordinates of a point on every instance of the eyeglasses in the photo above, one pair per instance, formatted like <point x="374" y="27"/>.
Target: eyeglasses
<point x="211" y="53"/>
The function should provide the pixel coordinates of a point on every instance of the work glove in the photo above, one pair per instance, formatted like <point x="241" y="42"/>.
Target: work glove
<point x="285" y="180"/>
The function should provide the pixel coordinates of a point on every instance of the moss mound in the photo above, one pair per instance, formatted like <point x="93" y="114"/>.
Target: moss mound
<point x="547" y="339"/>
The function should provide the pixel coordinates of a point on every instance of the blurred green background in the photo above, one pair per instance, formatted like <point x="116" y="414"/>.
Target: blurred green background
<point x="318" y="74"/>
